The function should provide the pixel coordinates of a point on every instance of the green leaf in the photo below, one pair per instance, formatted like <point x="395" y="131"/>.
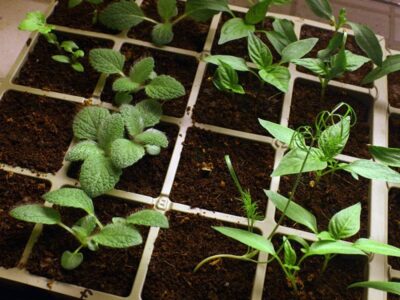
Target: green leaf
<point x="69" y="46"/>
<point x="167" y="9"/>
<point x="334" y="44"/>
<point x="371" y="246"/>
<point x="110" y="129"/>
<point x="202" y="10"/>
<point x="386" y="156"/>
<point x="291" y="163"/>
<point x="390" y="287"/>
<point x="83" y="150"/>
<point x="73" y="3"/>
<point x="36" y="213"/>
<point x="152" y="137"/>
<point x="346" y="222"/>
<point x="315" y="65"/>
<point x="165" y="87"/>
<point x="162" y="34"/>
<point x="61" y="59"/>
<point x="142" y="70"/>
<point x="148" y="217"/>
<point x="390" y="65"/>
<point x="226" y="79"/>
<point x="236" y="63"/>
<point x="87" y="121"/>
<point x="70" y="197"/>
<point x="85" y="226"/>
<point x="133" y="120"/>
<point x="35" y="21"/>
<point x="281" y="133"/>
<point x="121" y="15"/>
<point x="325" y="236"/>
<point x="278" y="41"/>
<point x="277" y="76"/>
<point x="257" y="12"/>
<point x="298" y="49"/>
<point x="289" y="254"/>
<point x="251" y="239"/>
<point x="98" y="175"/>
<point x="333" y="247"/>
<point x="107" y="61"/>
<point x="373" y="170"/>
<point x="78" y="67"/>
<point x="70" y="261"/>
<point x="150" y="110"/>
<point x="121" y="98"/>
<point x="124" y="84"/>
<point x="334" y="138"/>
<point x="354" y="62"/>
<point x="125" y="153"/>
<point x="286" y="29"/>
<point x="294" y="211"/>
<point x="321" y="8"/>
<point x="118" y="236"/>
<point x="259" y="52"/>
<point x="235" y="29"/>
<point x="152" y="149"/>
<point x="368" y="42"/>
<point x="338" y="64"/>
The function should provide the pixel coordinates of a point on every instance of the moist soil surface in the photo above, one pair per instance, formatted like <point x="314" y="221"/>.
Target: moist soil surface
<point x="179" y="249"/>
<point x="35" y="131"/>
<point x="188" y="34"/>
<point x="324" y="36"/>
<point x="234" y="111"/>
<point x="79" y="17"/>
<point x="108" y="270"/>
<point x="394" y="89"/>
<point x="394" y="225"/>
<point x="183" y="68"/>
<point x="41" y="71"/>
<point x="16" y="190"/>
<point x="332" y="194"/>
<point x="306" y="105"/>
<point x="203" y="178"/>
<point x="147" y="176"/>
<point x="394" y="131"/>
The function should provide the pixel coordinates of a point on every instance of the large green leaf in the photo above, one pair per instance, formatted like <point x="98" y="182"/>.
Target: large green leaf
<point x="354" y="62"/>
<point x="346" y="222"/>
<point x="298" y="49"/>
<point x="36" y="213"/>
<point x="111" y="129"/>
<point x="278" y="76"/>
<point x="87" y="122"/>
<point x="286" y="29"/>
<point x="315" y="65"/>
<point x="278" y="41"/>
<point x="235" y="29"/>
<point x="165" y="87"/>
<point x="107" y="61"/>
<point x="259" y="52"/>
<point x="70" y="197"/>
<point x="390" y="287"/>
<point x="125" y="153"/>
<point x="334" y="138"/>
<point x="142" y="70"/>
<point x="83" y="150"/>
<point x="333" y="247"/>
<point x="371" y="246"/>
<point x="373" y="170"/>
<point x="390" y="65"/>
<point x="148" y="217"/>
<point x="133" y="120"/>
<point x="121" y="15"/>
<point x="386" y="156"/>
<point x="281" y="133"/>
<point x="236" y="63"/>
<point x="118" y="235"/>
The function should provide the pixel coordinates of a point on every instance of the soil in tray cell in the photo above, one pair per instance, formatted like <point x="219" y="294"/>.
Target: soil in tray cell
<point x="147" y="176"/>
<point x="239" y="47"/>
<point x="306" y="105"/>
<point x="330" y="195"/>
<point x="394" y="131"/>
<point x="41" y="71"/>
<point x="183" y="68"/>
<point x="394" y="89"/>
<point x="107" y="270"/>
<point x="80" y="16"/>
<point x="179" y="249"/>
<point x="16" y="190"/>
<point x="35" y="131"/>
<point x="188" y="34"/>
<point x="203" y="178"/>
<point x="394" y="225"/>
<point x="234" y="111"/>
<point x="324" y="36"/>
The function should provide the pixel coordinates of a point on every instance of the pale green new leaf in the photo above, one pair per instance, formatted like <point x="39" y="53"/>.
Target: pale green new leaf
<point x="61" y="59"/>
<point x="35" y="21"/>
<point x="83" y="150"/>
<point x="36" y="213"/>
<point x="87" y="122"/>
<point x="167" y="9"/>
<point x="373" y="170"/>
<point x="152" y="137"/>
<point x="371" y="246"/>
<point x="282" y="133"/>
<point x="162" y="34"/>
<point x="70" y="197"/>
<point x="107" y="61"/>
<point x="259" y="52"/>
<point x="110" y="129"/>
<point x="150" y="110"/>
<point x="298" y="49"/>
<point x="390" y="287"/>
<point x="124" y="84"/>
<point x="121" y="15"/>
<point x="85" y="226"/>
<point x="125" y="153"/>
<point x="118" y="236"/>
<point x="132" y="118"/>
<point x="235" y="29"/>
<point x="69" y="46"/>
<point x="148" y="217"/>
<point x="289" y="254"/>
<point x="334" y="138"/>
<point x="70" y="261"/>
<point x="152" y="149"/>
<point x="277" y="76"/>
<point x="386" y="156"/>
<point x="165" y="87"/>
<point x="236" y="63"/>
<point x="346" y="222"/>
<point x="202" y="10"/>
<point x="142" y="70"/>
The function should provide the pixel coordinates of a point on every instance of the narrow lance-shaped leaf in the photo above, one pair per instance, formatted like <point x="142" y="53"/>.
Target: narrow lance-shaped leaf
<point x="281" y="133"/>
<point x="371" y="246"/>
<point x="373" y="170"/>
<point x="286" y="29"/>
<point x="333" y="247"/>
<point x="237" y="63"/>
<point x="298" y="49"/>
<point x="121" y="15"/>
<point x="257" y="12"/>
<point x="386" y="156"/>
<point x="321" y="8"/>
<point x="202" y="10"/>
<point x="386" y="286"/>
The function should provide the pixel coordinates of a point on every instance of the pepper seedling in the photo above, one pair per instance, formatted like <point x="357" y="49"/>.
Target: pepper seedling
<point x="70" y="52"/>
<point x="389" y="65"/>
<point x="141" y="77"/>
<point x="386" y="286"/>
<point x="106" y="149"/>
<point x="93" y="3"/>
<point x="88" y="231"/>
<point x="127" y="14"/>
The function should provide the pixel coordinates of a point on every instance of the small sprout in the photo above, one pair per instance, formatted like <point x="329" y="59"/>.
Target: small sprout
<point x="70" y="52"/>
<point x="88" y="231"/>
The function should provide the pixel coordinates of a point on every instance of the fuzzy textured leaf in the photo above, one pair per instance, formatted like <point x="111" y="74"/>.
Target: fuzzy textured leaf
<point x="121" y="15"/>
<point x="165" y="87"/>
<point x="148" y="217"/>
<point x="132" y="118"/>
<point x="83" y="150"/>
<point x="150" y="110"/>
<point x="87" y="122"/>
<point x="36" y="213"/>
<point x="162" y="34"/>
<point x="70" y="261"/>
<point x="124" y="84"/>
<point x="152" y="137"/>
<point x="70" y="197"/>
<point x="110" y="129"/>
<point x="107" y="61"/>
<point x="124" y="153"/>
<point x="118" y="236"/>
<point x="142" y="70"/>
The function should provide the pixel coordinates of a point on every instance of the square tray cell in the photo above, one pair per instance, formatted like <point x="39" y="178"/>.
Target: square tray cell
<point x="394" y="89"/>
<point x="394" y="225"/>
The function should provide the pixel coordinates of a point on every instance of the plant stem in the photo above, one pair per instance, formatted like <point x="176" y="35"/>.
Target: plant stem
<point x="324" y="85"/>
<point x="66" y="228"/>
<point x="214" y="257"/>
<point x="77" y="249"/>
<point x="178" y="19"/>
<point x="149" y="20"/>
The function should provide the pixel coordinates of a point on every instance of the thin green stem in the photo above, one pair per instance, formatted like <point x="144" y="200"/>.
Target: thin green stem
<point x="98" y="222"/>
<point x="218" y="256"/>
<point x="66" y="228"/>
<point x="324" y="85"/>
<point x="288" y="275"/>
<point x="78" y="249"/>
<point x="149" y="20"/>
<point x="180" y="18"/>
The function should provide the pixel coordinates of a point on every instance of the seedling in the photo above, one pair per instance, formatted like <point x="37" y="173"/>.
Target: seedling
<point x="93" y="3"/>
<point x="106" y="149"/>
<point x="276" y="74"/>
<point x="127" y="14"/>
<point x="69" y="50"/>
<point x="389" y="65"/>
<point x="141" y="77"/>
<point x="88" y="231"/>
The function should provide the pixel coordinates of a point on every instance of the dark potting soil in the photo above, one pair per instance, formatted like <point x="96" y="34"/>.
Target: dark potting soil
<point x="394" y="225"/>
<point x="41" y="71"/>
<point x="147" y="175"/>
<point x="188" y="34"/>
<point x="332" y="284"/>
<point x="108" y="270"/>
<point x="179" y="249"/>
<point x="332" y="194"/>
<point x="35" y="131"/>
<point x="234" y="111"/>
<point x="324" y="36"/>
<point x="80" y="17"/>
<point x="16" y="190"/>
<point x="183" y="68"/>
<point x="394" y="131"/>
<point x="239" y="47"/>
<point x="306" y="105"/>
<point x="203" y="178"/>
<point x="394" y="89"/>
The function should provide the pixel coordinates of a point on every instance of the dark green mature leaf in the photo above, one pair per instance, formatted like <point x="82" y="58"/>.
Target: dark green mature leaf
<point x="107" y="61"/>
<point x="142" y="70"/>
<point x="338" y="64"/>
<point x="125" y="153"/>
<point x="202" y="10"/>
<point x="226" y="79"/>
<point x="121" y="98"/>
<point x="237" y="63"/>
<point x="386" y="156"/>
<point x="73" y="3"/>
<point x="315" y="65"/>
<point x="36" y="213"/>
<point x="148" y="217"/>
<point x="373" y="170"/>
<point x="165" y="87"/>
<point x="118" y="235"/>
<point x="321" y="8"/>
<point x="70" y="197"/>
<point x="121" y="15"/>
<point x="70" y="261"/>
<point x="277" y="76"/>
<point x="286" y="29"/>
<point x="368" y="42"/>
<point x="250" y="239"/>
<point x="334" y="138"/>
<point x="256" y="13"/>
<point x="298" y="49"/>
<point x="371" y="246"/>
<point x="235" y="29"/>
<point x="259" y="52"/>
<point x="167" y="9"/>
<point x="87" y="122"/>
<point x="390" y="65"/>
<point x="333" y="247"/>
<point x="294" y="211"/>
<point x="162" y="34"/>
<point x="346" y="222"/>
<point x="390" y="287"/>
